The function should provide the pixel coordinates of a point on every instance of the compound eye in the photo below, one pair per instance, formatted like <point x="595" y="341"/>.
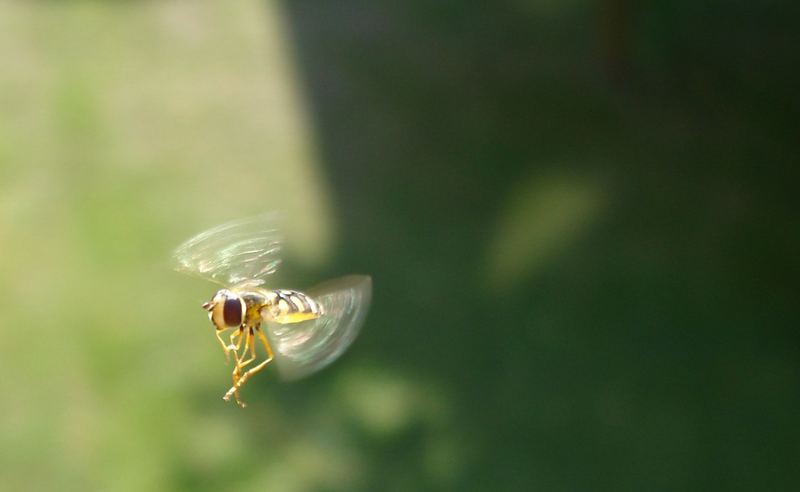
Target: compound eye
<point x="232" y="311"/>
<point x="226" y="310"/>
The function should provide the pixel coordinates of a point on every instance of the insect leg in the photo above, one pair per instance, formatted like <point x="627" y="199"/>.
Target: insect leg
<point x="225" y="348"/>
<point x="252" y="347"/>
<point x="243" y="379"/>
<point x="250" y="343"/>
<point x="238" y="381"/>
<point x="238" y="384"/>
<point x="235" y="347"/>
<point x="237" y="370"/>
<point x="266" y="344"/>
<point x="235" y="377"/>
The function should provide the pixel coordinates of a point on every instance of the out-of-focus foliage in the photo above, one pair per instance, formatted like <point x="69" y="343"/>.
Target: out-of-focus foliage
<point x="579" y="217"/>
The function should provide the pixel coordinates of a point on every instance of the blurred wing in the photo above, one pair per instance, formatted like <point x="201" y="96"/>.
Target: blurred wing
<point x="243" y="250"/>
<point x="306" y="347"/>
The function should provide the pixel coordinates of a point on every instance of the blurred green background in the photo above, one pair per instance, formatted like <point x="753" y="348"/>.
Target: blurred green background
<point x="580" y="218"/>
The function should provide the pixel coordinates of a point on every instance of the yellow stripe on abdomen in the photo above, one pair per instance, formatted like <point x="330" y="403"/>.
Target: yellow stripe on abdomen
<point x="290" y="306"/>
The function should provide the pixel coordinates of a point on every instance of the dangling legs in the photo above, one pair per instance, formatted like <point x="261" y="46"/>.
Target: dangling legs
<point x="237" y="369"/>
<point x="230" y="347"/>
<point x="249" y="343"/>
<point x="243" y="379"/>
<point x="266" y="344"/>
<point x="225" y="348"/>
<point x="235" y="347"/>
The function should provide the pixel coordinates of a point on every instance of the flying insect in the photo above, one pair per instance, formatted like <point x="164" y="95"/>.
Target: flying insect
<point x="302" y="332"/>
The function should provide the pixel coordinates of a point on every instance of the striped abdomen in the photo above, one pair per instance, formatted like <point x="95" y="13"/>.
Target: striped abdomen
<point x="291" y="306"/>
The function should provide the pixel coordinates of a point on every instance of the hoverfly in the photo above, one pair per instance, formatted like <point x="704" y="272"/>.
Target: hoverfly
<point x="303" y="331"/>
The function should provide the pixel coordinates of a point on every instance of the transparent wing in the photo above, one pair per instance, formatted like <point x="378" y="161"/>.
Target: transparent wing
<point x="306" y="347"/>
<point x="243" y="250"/>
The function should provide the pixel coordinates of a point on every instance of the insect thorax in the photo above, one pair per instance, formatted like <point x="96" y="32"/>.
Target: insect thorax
<point x="254" y="302"/>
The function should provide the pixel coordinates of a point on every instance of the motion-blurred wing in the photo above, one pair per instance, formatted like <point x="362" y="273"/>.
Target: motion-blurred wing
<point x="306" y="347"/>
<point x="243" y="250"/>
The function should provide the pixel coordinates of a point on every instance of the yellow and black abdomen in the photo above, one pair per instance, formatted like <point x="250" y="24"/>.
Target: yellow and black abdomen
<point x="291" y="306"/>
